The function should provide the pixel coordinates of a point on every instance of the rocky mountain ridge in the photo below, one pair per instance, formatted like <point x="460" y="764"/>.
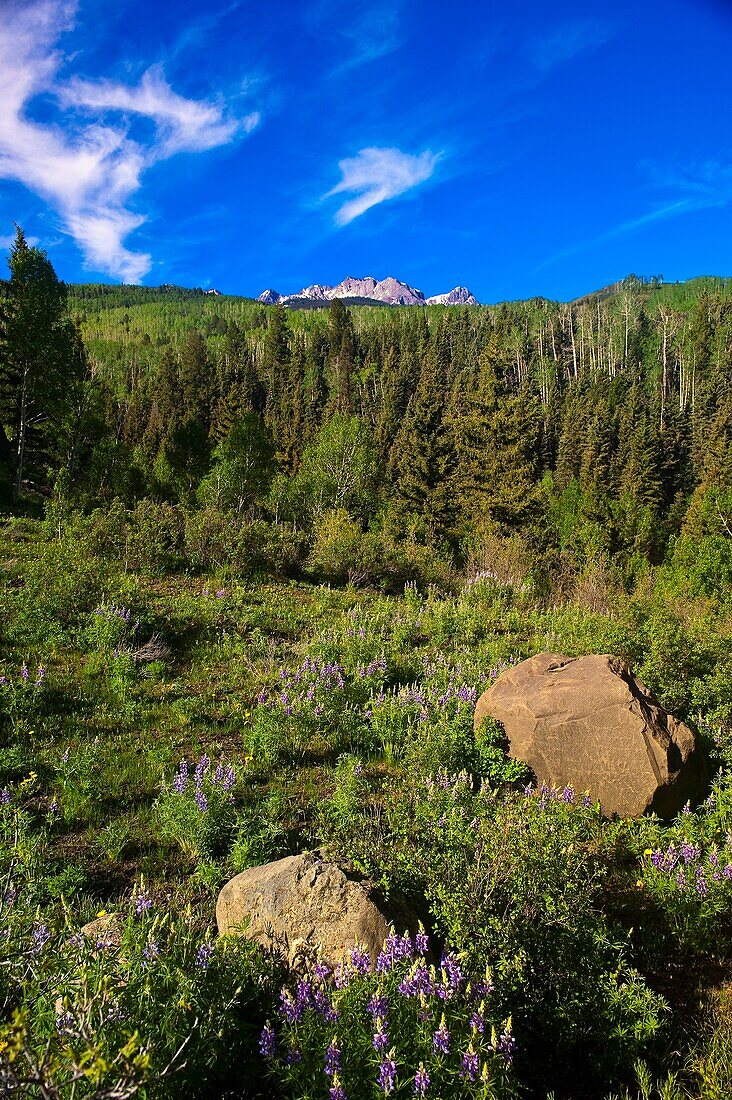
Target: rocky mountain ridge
<point x="388" y="291"/>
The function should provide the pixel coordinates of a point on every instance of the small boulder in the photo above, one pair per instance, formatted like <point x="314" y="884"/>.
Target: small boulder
<point x="589" y="723"/>
<point x="301" y="905"/>
<point x="105" y="931"/>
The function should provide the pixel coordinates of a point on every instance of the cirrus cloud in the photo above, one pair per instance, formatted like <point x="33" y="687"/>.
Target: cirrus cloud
<point x="85" y="165"/>
<point x="378" y="174"/>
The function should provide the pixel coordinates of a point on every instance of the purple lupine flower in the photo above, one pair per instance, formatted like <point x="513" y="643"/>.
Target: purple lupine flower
<point x="54" y="808"/>
<point x="478" y="1022"/>
<point x="586" y="801"/>
<point x="360" y="959"/>
<point x="377" y="1006"/>
<point x="452" y="974"/>
<point x="671" y="858"/>
<point x="727" y="871"/>
<point x="568" y="795"/>
<point x="262" y="698"/>
<point x="483" y="986"/>
<point x="506" y="1046"/>
<point x="332" y="1058"/>
<point x="380" y="1041"/>
<point x="469" y="1065"/>
<point x="201" y="768"/>
<point x="421" y="1081"/>
<point x="5" y="797"/>
<point x="24" y="671"/>
<point x="229" y="778"/>
<point x="40" y="675"/>
<point x="41" y="936"/>
<point x="204" y="955"/>
<point x="114" y="1013"/>
<point x="65" y="756"/>
<point x="681" y="878"/>
<point x="201" y="801"/>
<point x="142" y="904"/>
<point x="441" y="1038"/>
<point x="387" y="1073"/>
<point x="290" y="1009"/>
<point x="267" y="1042"/>
<point x="342" y="975"/>
<point x="658" y="859"/>
<point x="293" y="1056"/>
<point x="421" y="942"/>
<point x="321" y="971"/>
<point x="417" y="982"/>
<point x="336" y="1091"/>
<point x="689" y="852"/>
<point x="394" y="950"/>
<point x="180" y="781"/>
<point x="702" y="888"/>
<point x="151" y="950"/>
<point x="304" y="992"/>
<point x="65" y="1023"/>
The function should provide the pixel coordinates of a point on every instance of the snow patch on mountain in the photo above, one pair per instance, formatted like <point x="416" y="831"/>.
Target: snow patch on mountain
<point x="390" y="291"/>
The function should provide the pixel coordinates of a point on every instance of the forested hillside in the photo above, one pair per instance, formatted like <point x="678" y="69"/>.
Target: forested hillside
<point x="595" y="428"/>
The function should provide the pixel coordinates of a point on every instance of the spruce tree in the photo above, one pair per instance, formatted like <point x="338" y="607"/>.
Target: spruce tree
<point x="41" y="361"/>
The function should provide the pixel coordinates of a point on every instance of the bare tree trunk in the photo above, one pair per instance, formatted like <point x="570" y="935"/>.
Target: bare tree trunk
<point x="22" y="433"/>
<point x="574" y="346"/>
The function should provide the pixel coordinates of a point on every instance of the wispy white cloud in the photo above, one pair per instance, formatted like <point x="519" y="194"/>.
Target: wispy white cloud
<point x="184" y="125"/>
<point x="569" y="40"/>
<point x="366" y="33"/>
<point x="689" y="188"/>
<point x="89" y="168"/>
<point x="708" y="183"/>
<point x="660" y="213"/>
<point x="375" y="175"/>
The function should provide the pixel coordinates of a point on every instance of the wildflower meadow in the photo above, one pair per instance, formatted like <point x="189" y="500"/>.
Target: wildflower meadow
<point x="550" y="950"/>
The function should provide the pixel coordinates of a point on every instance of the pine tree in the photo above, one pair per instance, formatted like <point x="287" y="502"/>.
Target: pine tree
<point x="422" y="456"/>
<point x="495" y="432"/>
<point x="42" y="363"/>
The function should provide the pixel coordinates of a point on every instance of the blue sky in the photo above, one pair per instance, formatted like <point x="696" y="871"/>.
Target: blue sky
<point x="517" y="149"/>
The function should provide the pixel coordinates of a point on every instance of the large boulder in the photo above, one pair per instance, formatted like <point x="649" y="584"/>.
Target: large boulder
<point x="301" y="905"/>
<point x="589" y="723"/>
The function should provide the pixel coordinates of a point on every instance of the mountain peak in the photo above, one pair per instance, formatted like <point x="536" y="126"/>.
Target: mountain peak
<point x="458" y="296"/>
<point x="389" y="291"/>
<point x="270" y="297"/>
